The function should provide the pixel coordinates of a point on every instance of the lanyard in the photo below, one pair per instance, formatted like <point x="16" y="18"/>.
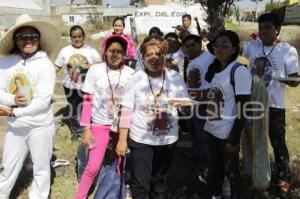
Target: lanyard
<point x="110" y="86"/>
<point x="161" y="89"/>
<point x="266" y="55"/>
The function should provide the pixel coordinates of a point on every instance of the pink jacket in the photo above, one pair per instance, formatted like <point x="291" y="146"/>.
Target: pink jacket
<point x="130" y="45"/>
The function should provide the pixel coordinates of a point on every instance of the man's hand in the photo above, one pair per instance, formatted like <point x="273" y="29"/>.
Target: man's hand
<point x="5" y="111"/>
<point x="185" y="110"/>
<point x="194" y="78"/>
<point x="20" y="100"/>
<point x="291" y="83"/>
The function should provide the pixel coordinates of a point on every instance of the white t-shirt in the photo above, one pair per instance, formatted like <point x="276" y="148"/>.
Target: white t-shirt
<point x="223" y="113"/>
<point x="71" y="56"/>
<point x="97" y="84"/>
<point x="282" y="61"/>
<point x="178" y="57"/>
<point x="202" y="63"/>
<point x="192" y="30"/>
<point x="34" y="78"/>
<point x="154" y="123"/>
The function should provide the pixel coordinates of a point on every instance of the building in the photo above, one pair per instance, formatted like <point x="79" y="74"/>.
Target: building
<point x="291" y="2"/>
<point x="292" y="14"/>
<point x="80" y="14"/>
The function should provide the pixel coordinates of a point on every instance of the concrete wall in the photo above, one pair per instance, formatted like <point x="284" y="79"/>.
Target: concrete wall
<point x="292" y="15"/>
<point x="77" y="19"/>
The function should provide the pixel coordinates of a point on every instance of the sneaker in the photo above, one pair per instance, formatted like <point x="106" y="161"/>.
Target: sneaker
<point x="216" y="197"/>
<point x="203" y="176"/>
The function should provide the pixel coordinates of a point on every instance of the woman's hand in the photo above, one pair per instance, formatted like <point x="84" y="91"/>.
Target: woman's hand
<point x="88" y="139"/>
<point x="20" y="100"/>
<point x="5" y="111"/>
<point x="229" y="148"/>
<point x="121" y="147"/>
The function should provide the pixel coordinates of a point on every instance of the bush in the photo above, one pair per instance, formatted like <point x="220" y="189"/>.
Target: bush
<point x="296" y="43"/>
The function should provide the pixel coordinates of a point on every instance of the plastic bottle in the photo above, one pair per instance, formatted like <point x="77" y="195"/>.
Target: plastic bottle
<point x="128" y="194"/>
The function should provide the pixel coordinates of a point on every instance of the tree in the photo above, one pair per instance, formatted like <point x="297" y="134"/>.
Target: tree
<point x="94" y="2"/>
<point x="270" y="6"/>
<point x="216" y="11"/>
<point x="94" y="18"/>
<point x="237" y="13"/>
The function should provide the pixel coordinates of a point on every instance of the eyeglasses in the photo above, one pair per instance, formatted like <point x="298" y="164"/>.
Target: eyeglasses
<point x="222" y="46"/>
<point x="28" y="36"/>
<point x="115" y="51"/>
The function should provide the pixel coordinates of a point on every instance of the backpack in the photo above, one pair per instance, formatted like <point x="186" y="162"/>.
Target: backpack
<point x="233" y="69"/>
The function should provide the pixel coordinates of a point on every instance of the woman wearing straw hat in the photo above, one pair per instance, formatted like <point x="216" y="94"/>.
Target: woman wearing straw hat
<point x="30" y="119"/>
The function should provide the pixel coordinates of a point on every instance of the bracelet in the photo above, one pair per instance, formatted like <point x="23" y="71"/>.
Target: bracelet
<point x="11" y="114"/>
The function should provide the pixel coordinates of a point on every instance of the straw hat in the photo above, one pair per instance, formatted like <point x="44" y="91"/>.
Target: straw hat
<point x="49" y="40"/>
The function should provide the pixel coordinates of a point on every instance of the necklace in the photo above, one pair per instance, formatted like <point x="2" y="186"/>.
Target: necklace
<point x="161" y="89"/>
<point x="110" y="86"/>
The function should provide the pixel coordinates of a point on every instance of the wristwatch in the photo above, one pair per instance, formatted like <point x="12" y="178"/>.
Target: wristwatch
<point x="11" y="114"/>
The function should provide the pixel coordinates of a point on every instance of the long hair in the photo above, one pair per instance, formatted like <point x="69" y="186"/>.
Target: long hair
<point x="216" y="67"/>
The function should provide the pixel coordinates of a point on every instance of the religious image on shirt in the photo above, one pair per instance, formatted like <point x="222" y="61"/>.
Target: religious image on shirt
<point x="171" y="64"/>
<point x="77" y="67"/>
<point x="161" y="119"/>
<point x="262" y="70"/>
<point x="114" y="100"/>
<point x="19" y="83"/>
<point x="216" y="103"/>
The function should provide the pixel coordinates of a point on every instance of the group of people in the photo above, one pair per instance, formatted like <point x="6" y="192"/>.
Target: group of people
<point x="109" y="100"/>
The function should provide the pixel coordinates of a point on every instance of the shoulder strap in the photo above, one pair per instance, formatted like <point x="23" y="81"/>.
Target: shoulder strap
<point x="233" y="69"/>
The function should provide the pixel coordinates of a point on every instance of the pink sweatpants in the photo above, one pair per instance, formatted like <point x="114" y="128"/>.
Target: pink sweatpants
<point x="101" y="135"/>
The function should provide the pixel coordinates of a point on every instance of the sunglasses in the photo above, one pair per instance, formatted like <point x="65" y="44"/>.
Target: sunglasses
<point x="28" y="36"/>
<point x="222" y="46"/>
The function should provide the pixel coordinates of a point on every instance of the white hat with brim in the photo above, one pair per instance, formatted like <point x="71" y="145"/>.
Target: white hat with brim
<point x="49" y="41"/>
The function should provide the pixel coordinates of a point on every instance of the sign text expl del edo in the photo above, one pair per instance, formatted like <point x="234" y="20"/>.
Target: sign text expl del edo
<point x="158" y="14"/>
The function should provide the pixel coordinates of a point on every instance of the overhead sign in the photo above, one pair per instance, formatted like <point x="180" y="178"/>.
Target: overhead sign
<point x="164" y="16"/>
